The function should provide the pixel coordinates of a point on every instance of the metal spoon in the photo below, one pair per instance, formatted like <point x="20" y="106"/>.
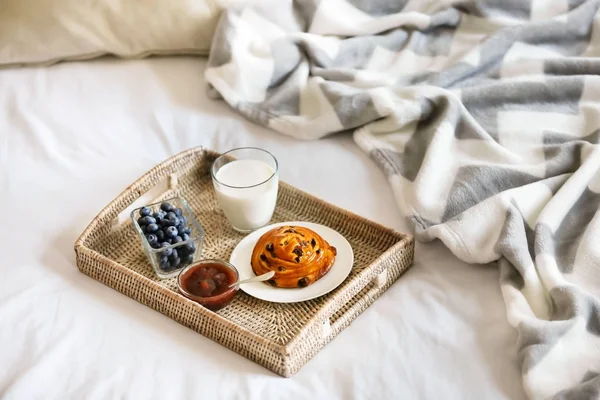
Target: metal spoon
<point x="260" y="278"/>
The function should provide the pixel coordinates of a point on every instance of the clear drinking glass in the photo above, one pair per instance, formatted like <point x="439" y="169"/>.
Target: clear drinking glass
<point x="246" y="182"/>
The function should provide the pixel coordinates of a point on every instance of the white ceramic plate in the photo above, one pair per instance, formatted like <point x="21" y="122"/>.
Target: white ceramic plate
<point x="341" y="268"/>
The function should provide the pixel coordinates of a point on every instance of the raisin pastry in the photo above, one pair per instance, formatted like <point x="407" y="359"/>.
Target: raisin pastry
<point x="298" y="255"/>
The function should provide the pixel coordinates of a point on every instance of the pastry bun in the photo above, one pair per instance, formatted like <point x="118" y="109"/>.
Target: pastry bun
<point x="298" y="255"/>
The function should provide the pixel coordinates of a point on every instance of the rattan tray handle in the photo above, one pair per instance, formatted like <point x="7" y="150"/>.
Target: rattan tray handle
<point x="169" y="182"/>
<point x="339" y="320"/>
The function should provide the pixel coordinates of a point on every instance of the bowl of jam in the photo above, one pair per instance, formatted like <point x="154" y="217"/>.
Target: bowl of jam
<point x="208" y="282"/>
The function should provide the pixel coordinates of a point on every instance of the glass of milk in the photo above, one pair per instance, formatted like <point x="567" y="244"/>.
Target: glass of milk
<point x="246" y="181"/>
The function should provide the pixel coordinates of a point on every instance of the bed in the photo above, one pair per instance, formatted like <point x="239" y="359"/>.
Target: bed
<point x="75" y="134"/>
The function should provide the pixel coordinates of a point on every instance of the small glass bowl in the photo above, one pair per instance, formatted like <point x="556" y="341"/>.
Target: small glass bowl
<point x="188" y="251"/>
<point x="213" y="303"/>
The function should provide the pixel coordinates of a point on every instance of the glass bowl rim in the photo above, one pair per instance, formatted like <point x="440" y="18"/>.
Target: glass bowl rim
<point x="194" y="221"/>
<point x="192" y="296"/>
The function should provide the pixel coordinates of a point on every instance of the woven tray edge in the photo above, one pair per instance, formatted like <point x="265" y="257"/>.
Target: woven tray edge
<point x="405" y="240"/>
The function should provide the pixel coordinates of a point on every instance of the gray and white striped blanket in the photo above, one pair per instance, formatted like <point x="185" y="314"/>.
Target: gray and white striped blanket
<point x="485" y="117"/>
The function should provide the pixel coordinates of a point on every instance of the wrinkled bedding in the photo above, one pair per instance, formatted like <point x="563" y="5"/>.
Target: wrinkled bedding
<point x="74" y="135"/>
<point x="485" y="117"/>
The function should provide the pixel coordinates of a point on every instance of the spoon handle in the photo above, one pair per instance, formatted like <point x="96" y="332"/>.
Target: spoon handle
<point x="260" y="278"/>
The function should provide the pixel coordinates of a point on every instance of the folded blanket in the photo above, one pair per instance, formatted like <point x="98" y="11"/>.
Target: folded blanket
<point x="485" y="117"/>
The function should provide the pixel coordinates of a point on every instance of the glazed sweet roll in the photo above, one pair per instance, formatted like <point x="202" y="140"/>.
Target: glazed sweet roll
<point x="298" y="255"/>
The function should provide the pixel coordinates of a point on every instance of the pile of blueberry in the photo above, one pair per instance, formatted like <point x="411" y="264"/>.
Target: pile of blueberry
<point x="163" y="228"/>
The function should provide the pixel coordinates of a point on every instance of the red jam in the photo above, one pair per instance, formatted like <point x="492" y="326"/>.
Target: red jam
<point x="208" y="283"/>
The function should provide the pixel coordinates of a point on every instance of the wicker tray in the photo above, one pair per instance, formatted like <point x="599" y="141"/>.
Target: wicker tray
<point x="281" y="337"/>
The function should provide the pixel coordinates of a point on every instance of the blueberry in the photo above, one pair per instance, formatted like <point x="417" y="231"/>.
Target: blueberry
<point x="158" y="215"/>
<point x="160" y="235"/>
<point x="165" y="244"/>
<point x="189" y="248"/>
<point x="175" y="262"/>
<point x="171" y="214"/>
<point x="185" y="236"/>
<point x="173" y="220"/>
<point x="143" y="228"/>
<point x="164" y="262"/>
<point x="167" y="252"/>
<point x="170" y="221"/>
<point x="147" y="220"/>
<point x="165" y="222"/>
<point x="179" y="212"/>
<point x="171" y="232"/>
<point x="188" y="259"/>
<point x="182" y="220"/>
<point x="151" y="228"/>
<point x="177" y="239"/>
<point x="141" y="221"/>
<point x="145" y="211"/>
<point x="152" y="239"/>
<point x="167" y="207"/>
<point x="187" y="230"/>
<point x="173" y="255"/>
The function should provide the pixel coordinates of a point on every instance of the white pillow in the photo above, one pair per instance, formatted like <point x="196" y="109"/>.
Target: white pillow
<point x="48" y="31"/>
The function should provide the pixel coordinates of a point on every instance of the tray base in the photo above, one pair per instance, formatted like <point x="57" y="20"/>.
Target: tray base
<point x="281" y="337"/>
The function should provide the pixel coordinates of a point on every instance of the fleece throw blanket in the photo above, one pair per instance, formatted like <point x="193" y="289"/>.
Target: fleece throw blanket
<point x="485" y="117"/>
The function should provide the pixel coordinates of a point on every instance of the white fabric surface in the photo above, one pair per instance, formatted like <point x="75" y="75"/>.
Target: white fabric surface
<point x="72" y="136"/>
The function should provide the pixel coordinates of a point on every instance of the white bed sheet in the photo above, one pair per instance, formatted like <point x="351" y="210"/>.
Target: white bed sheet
<point x="72" y="136"/>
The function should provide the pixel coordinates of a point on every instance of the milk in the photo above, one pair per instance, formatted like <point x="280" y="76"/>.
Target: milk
<point x="247" y="208"/>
